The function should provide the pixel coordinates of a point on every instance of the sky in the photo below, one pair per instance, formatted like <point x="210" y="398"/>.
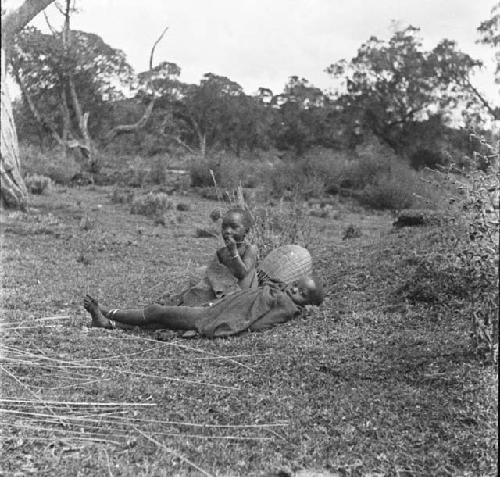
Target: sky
<point x="260" y="43"/>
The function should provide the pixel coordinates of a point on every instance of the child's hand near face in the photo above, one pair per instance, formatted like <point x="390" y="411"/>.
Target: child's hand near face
<point x="231" y="245"/>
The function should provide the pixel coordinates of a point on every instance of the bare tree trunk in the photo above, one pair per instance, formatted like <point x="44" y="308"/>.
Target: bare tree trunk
<point x="15" y="21"/>
<point x="66" y="122"/>
<point x="47" y="125"/>
<point x="202" y="137"/>
<point x="203" y="145"/>
<point x="13" y="192"/>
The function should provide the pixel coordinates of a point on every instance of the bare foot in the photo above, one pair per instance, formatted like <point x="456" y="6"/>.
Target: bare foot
<point x="98" y="320"/>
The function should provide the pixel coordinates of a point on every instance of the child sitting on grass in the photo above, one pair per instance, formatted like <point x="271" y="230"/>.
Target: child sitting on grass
<point x="233" y="267"/>
<point x="250" y="309"/>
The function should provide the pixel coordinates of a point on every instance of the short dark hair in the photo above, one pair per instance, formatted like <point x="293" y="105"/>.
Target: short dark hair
<point x="247" y="217"/>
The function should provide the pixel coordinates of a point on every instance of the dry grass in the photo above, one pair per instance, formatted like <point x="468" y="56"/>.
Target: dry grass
<point x="365" y="385"/>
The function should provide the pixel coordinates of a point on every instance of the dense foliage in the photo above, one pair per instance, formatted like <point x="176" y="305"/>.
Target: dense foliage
<point x="42" y="63"/>
<point x="394" y="89"/>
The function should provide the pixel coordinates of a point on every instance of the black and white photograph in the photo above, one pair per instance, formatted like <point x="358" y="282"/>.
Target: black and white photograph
<point x="248" y="238"/>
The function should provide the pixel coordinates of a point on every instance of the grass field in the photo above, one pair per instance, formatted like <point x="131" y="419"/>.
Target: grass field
<point x="366" y="385"/>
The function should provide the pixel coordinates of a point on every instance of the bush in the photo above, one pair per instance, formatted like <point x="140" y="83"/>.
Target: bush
<point x="426" y="158"/>
<point x="122" y="196"/>
<point x="153" y="204"/>
<point x="351" y="231"/>
<point x="389" y="192"/>
<point x="38" y="185"/>
<point x="328" y="165"/>
<point x="51" y="164"/>
<point x="199" y="172"/>
<point x="158" y="171"/>
<point x="323" y="171"/>
<point x="458" y="270"/>
<point x="229" y="172"/>
<point x="283" y="179"/>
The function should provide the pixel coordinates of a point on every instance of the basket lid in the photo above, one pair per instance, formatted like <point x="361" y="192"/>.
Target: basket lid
<point x="286" y="264"/>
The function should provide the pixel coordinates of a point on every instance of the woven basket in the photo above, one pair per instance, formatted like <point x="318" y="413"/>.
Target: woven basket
<point x="286" y="264"/>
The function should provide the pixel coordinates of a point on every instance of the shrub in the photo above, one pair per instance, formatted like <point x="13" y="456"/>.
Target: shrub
<point x="151" y="205"/>
<point x="199" y="172"/>
<point x="324" y="171"/>
<point x="426" y="158"/>
<point x="372" y="160"/>
<point x="351" y="231"/>
<point x="460" y="271"/>
<point x="122" y="196"/>
<point x="137" y="173"/>
<point x="38" y="185"/>
<point x="158" y="172"/>
<point x="389" y="192"/>
<point x="51" y="164"/>
<point x="328" y="165"/>
<point x="283" y="179"/>
<point x="229" y="172"/>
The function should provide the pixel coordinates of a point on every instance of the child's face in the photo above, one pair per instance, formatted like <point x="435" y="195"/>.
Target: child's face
<point x="233" y="227"/>
<point x="300" y="291"/>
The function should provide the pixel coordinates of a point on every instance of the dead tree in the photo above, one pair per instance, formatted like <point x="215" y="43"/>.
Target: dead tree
<point x="80" y="140"/>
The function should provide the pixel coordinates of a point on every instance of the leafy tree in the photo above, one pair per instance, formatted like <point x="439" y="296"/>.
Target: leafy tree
<point x="163" y="83"/>
<point x="390" y="84"/>
<point x="42" y="65"/>
<point x="162" y="80"/>
<point x="205" y="111"/>
<point x="299" y="90"/>
<point x="305" y="118"/>
<point x="67" y="69"/>
<point x="489" y="31"/>
<point x="489" y="34"/>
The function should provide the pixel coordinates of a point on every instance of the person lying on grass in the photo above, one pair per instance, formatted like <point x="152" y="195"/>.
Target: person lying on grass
<point x="233" y="267"/>
<point x="244" y="310"/>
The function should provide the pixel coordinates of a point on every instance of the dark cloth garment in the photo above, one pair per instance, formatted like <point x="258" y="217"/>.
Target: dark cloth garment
<point x="218" y="281"/>
<point x="254" y="310"/>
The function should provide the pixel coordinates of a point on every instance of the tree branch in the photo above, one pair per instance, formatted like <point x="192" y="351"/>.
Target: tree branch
<point x="179" y="141"/>
<point x="128" y="128"/>
<point x="495" y="112"/>
<point x="15" y="21"/>
<point x="154" y="46"/>
<point x="47" y="125"/>
<point x="405" y="117"/>
<point x="51" y="28"/>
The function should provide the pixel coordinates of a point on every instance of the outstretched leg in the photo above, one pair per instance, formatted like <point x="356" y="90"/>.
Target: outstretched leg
<point x="170" y="317"/>
<point x="98" y="319"/>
